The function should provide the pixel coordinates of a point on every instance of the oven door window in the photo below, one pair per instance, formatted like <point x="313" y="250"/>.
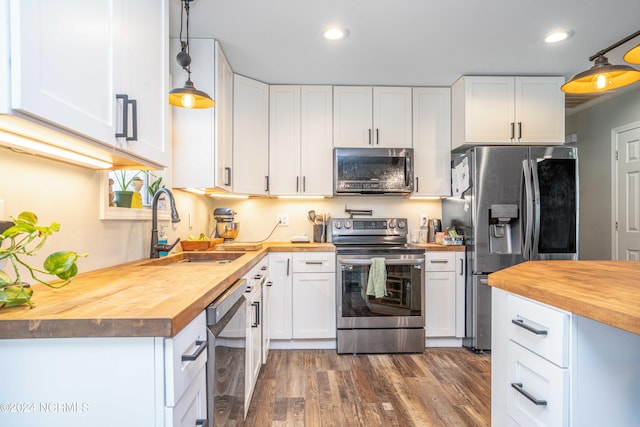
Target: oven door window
<point x="403" y="292"/>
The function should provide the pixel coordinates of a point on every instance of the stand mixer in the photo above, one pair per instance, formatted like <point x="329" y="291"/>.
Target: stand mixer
<point x="225" y="225"/>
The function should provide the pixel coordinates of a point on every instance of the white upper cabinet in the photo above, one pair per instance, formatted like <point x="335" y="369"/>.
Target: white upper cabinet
<point x="507" y="110"/>
<point x="69" y="60"/>
<point x="300" y="140"/>
<point x="142" y="73"/>
<point x="250" y="136"/>
<point x="223" y="120"/>
<point x="62" y="64"/>
<point x="432" y="141"/>
<point x="372" y="116"/>
<point x="202" y="142"/>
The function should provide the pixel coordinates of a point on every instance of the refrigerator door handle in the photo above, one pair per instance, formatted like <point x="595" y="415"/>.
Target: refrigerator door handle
<point x="536" y="212"/>
<point x="528" y="201"/>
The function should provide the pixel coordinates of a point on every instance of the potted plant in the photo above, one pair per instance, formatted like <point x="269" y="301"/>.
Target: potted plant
<point x="25" y="237"/>
<point x="154" y="185"/>
<point x="124" y="195"/>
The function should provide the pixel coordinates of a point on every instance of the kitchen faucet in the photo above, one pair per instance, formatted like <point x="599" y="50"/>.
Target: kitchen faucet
<point x="155" y="247"/>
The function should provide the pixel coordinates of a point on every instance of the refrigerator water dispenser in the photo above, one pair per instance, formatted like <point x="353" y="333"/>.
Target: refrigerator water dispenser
<point x="502" y="219"/>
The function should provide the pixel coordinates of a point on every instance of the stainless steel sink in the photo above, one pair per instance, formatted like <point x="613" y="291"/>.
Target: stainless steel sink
<point x="195" y="257"/>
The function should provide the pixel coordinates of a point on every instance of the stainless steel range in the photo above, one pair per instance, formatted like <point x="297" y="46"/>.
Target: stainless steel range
<point x="385" y="314"/>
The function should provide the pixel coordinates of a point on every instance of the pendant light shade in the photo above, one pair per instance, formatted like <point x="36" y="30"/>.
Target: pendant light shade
<point x="602" y="77"/>
<point x="188" y="96"/>
<point x="633" y="56"/>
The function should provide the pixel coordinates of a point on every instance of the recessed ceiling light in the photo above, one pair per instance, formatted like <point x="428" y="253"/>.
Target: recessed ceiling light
<point x="335" y="33"/>
<point x="558" y="36"/>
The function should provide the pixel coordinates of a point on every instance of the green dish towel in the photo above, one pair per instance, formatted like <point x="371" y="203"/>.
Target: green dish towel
<point x="377" y="282"/>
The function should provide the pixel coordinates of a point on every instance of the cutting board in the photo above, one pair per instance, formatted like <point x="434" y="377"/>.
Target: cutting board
<point x="239" y="246"/>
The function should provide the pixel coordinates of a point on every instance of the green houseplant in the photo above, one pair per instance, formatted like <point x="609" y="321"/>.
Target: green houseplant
<point x="24" y="238"/>
<point x="124" y="195"/>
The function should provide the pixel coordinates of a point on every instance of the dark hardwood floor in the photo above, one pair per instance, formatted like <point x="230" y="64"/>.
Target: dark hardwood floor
<point x="319" y="388"/>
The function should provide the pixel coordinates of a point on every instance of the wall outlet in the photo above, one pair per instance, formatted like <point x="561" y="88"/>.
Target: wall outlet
<point x="424" y="218"/>
<point x="283" y="219"/>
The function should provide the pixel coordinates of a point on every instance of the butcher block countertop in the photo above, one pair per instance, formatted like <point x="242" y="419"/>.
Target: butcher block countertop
<point x="134" y="299"/>
<point x="145" y="298"/>
<point x="605" y="291"/>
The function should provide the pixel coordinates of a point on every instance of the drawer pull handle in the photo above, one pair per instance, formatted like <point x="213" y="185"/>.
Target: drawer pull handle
<point x="202" y="422"/>
<point x="522" y="391"/>
<point x="438" y="261"/>
<point x="200" y="347"/>
<point x="313" y="262"/>
<point x="520" y="322"/>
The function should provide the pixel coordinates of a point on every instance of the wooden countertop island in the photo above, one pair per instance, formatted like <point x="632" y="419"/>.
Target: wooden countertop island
<point x="146" y="298"/>
<point x="605" y="291"/>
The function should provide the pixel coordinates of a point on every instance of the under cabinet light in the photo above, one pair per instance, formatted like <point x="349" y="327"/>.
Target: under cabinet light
<point x="22" y="143"/>
<point x="301" y="197"/>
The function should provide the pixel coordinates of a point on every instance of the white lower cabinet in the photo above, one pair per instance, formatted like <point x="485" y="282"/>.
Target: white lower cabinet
<point x="303" y="300"/>
<point x="103" y="382"/>
<point x="191" y="410"/>
<point x="550" y="367"/>
<point x="444" y="298"/>
<point x="256" y="280"/>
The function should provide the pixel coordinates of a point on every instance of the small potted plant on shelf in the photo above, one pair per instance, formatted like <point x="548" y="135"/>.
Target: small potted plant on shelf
<point x="124" y="196"/>
<point x="24" y="238"/>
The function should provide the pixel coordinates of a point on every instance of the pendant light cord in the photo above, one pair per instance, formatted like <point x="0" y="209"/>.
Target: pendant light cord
<point x="184" y="46"/>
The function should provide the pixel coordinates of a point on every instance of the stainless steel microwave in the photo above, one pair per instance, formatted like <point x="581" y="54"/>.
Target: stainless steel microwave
<point x="373" y="170"/>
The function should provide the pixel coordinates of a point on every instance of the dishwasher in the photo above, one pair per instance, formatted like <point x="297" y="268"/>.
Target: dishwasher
<point x="226" y="324"/>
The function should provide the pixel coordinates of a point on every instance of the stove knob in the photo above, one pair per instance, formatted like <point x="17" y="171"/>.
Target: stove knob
<point x="402" y="224"/>
<point x="392" y="223"/>
<point x="337" y="224"/>
<point x="347" y="224"/>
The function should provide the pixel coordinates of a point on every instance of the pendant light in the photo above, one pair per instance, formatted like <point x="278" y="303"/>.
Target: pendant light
<point x="603" y="76"/>
<point x="633" y="56"/>
<point x="188" y="96"/>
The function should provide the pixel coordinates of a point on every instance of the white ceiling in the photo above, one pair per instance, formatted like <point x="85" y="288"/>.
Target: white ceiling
<point x="409" y="42"/>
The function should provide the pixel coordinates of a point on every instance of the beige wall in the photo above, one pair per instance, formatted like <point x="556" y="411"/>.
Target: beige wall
<point x="70" y="195"/>
<point x="593" y="127"/>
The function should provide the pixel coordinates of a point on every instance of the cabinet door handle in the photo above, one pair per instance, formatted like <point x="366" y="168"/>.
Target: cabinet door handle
<point x="266" y="184"/>
<point x="200" y="347"/>
<point x="377" y="136"/>
<point x="125" y="118"/>
<point x="125" y="115"/>
<point x="370" y="142"/>
<point x="288" y="263"/>
<point x="134" y="113"/>
<point x="304" y="184"/>
<point x="522" y="391"/>
<point x="227" y="178"/>
<point x="461" y="266"/>
<point x="519" y="130"/>
<point x="520" y="322"/>
<point x="512" y="132"/>
<point x="297" y="184"/>
<point x="417" y="184"/>
<point x="257" y="307"/>
<point x="202" y="422"/>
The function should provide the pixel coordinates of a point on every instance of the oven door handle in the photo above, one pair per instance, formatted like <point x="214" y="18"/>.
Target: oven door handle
<point x="386" y="261"/>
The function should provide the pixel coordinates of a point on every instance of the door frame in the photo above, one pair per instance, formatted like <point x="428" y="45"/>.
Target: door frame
<point x="615" y="136"/>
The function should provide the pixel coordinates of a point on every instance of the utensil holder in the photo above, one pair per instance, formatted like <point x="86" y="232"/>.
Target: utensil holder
<point x="319" y="235"/>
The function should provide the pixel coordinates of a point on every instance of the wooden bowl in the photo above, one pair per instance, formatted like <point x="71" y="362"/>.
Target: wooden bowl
<point x="199" y="245"/>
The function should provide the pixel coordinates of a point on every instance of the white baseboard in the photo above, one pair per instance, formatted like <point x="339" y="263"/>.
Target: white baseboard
<point x="443" y="342"/>
<point x="328" y="344"/>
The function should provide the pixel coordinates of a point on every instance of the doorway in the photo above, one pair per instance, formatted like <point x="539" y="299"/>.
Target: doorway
<point x="625" y="181"/>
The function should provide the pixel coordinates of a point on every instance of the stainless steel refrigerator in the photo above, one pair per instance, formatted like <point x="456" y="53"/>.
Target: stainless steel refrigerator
<point x="514" y="204"/>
